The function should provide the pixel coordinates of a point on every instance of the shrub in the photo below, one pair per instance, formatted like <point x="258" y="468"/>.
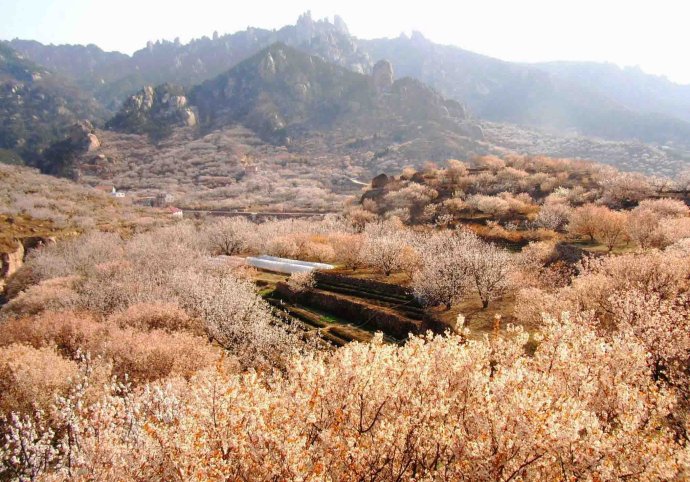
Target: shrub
<point x="230" y="236"/>
<point x="70" y="333"/>
<point x="300" y="282"/>
<point x="143" y="356"/>
<point x="666" y="207"/>
<point x="53" y="294"/>
<point x="674" y="229"/>
<point x="553" y="215"/>
<point x="156" y="316"/>
<point x="31" y="377"/>
<point x="491" y="205"/>
<point x="154" y="355"/>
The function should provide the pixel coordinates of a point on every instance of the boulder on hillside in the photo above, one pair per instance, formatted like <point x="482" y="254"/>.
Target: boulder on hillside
<point x="380" y="181"/>
<point x="58" y="159"/>
<point x="82" y="136"/>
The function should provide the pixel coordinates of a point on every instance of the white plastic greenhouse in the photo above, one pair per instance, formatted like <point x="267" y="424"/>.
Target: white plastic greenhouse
<point x="285" y="265"/>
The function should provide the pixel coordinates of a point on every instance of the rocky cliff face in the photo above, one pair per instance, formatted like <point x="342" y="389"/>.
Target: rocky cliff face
<point x="154" y="110"/>
<point x="12" y="260"/>
<point x="59" y="158"/>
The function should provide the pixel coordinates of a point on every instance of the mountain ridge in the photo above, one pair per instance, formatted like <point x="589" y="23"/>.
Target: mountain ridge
<point x="540" y="98"/>
<point x="546" y="95"/>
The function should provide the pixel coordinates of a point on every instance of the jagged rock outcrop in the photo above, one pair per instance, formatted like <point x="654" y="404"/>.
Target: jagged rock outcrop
<point x="59" y="158"/>
<point x="340" y="25"/>
<point x="305" y="27"/>
<point x="268" y="67"/>
<point x="382" y="76"/>
<point x="155" y="111"/>
<point x="82" y="136"/>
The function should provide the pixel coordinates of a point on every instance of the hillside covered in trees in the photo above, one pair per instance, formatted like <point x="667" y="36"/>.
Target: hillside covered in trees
<point x="521" y="317"/>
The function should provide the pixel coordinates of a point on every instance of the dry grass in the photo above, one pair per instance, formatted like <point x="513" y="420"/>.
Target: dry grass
<point x="24" y="226"/>
<point x="478" y="320"/>
<point x="599" y="248"/>
<point x="398" y="278"/>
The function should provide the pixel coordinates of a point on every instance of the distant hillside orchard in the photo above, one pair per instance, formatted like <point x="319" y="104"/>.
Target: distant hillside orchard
<point x="521" y="195"/>
<point x="33" y="204"/>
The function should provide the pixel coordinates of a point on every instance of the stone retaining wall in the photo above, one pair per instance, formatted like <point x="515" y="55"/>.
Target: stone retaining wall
<point x="369" y="316"/>
<point x="364" y="284"/>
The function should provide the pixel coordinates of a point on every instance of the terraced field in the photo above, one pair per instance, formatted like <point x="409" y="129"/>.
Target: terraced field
<point x="345" y="309"/>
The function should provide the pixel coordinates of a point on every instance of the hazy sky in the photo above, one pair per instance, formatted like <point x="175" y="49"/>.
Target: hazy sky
<point x="653" y="35"/>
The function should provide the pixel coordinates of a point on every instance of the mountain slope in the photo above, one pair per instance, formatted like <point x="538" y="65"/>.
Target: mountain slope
<point x="282" y="129"/>
<point x="566" y="108"/>
<point x="571" y="98"/>
<point x="283" y="93"/>
<point x="629" y="86"/>
<point x="277" y="87"/>
<point x="87" y="65"/>
<point x="36" y="106"/>
<point x="523" y="94"/>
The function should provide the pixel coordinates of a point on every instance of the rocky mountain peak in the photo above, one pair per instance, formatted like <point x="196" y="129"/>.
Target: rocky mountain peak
<point x="340" y="25"/>
<point x="284" y="94"/>
<point x="154" y="110"/>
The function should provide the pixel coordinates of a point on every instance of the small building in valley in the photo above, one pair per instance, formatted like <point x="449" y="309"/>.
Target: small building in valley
<point x="175" y="212"/>
<point x="163" y="199"/>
